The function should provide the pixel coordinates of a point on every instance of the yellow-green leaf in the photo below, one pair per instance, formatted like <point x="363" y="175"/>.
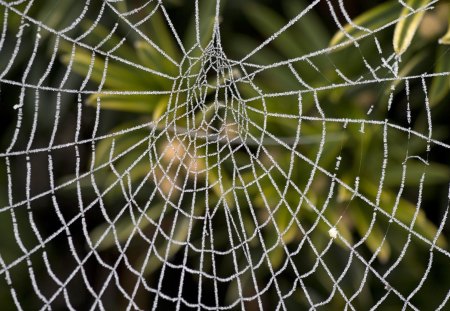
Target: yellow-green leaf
<point x="405" y="70"/>
<point x="371" y="20"/>
<point x="446" y="38"/>
<point x="132" y="103"/>
<point x="407" y="25"/>
<point x="160" y="107"/>
<point x="440" y="85"/>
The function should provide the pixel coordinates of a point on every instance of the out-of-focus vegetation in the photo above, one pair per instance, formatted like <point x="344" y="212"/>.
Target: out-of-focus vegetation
<point x="334" y="62"/>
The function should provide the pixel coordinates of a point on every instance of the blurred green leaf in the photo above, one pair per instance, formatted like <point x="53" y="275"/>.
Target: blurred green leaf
<point x="151" y="58"/>
<point x="99" y="33"/>
<point x="362" y="218"/>
<point x="267" y="22"/>
<point x="168" y="249"/>
<point x="407" y="25"/>
<point x="206" y="21"/>
<point x="269" y="80"/>
<point x="435" y="173"/>
<point x="221" y="184"/>
<point x="310" y="27"/>
<point x="161" y="35"/>
<point x="122" y="142"/>
<point x="118" y="76"/>
<point x="405" y="212"/>
<point x="58" y="14"/>
<point x="122" y="229"/>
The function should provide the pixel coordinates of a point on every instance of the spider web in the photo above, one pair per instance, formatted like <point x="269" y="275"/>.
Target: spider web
<point x="209" y="205"/>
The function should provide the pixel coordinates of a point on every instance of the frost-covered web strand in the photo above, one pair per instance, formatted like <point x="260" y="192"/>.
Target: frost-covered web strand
<point x="211" y="183"/>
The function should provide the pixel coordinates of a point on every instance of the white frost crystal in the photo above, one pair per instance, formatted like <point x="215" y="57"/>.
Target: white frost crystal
<point x="333" y="233"/>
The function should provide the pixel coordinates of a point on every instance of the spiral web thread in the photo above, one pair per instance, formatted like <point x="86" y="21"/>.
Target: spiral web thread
<point x="195" y="217"/>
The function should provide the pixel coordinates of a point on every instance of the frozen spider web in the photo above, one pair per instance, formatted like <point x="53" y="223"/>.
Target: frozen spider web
<point x="226" y="199"/>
